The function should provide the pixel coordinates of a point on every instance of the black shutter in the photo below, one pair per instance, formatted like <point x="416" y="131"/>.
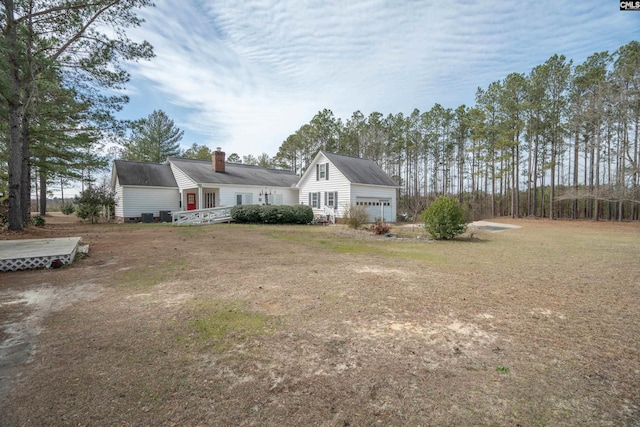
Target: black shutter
<point x="326" y="172"/>
<point x="309" y="199"/>
<point x="335" y="200"/>
<point x="317" y="172"/>
<point x="326" y="199"/>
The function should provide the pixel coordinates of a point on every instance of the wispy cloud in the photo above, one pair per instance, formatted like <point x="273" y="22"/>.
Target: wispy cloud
<point x="245" y="75"/>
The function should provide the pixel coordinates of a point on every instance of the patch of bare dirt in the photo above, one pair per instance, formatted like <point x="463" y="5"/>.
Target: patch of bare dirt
<point x="534" y="326"/>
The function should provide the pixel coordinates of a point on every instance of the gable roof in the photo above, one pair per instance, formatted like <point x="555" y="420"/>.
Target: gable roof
<point x="201" y="171"/>
<point x="360" y="171"/>
<point x="144" y="174"/>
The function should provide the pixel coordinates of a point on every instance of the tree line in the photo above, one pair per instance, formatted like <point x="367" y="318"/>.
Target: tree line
<point x="560" y="141"/>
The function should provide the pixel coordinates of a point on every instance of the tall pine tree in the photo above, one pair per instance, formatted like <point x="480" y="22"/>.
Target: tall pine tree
<point x="153" y="139"/>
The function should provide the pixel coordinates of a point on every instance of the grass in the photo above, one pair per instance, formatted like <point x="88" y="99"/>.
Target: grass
<point x="218" y="325"/>
<point x="145" y="278"/>
<point x="358" y="243"/>
<point x="299" y="325"/>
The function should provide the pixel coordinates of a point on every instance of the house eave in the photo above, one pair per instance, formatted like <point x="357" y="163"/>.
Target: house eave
<point x="376" y="185"/>
<point x="147" y="186"/>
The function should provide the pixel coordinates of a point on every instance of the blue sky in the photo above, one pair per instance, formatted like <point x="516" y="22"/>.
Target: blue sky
<point x="244" y="75"/>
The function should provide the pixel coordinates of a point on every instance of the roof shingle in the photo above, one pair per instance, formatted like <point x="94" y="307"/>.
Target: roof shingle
<point x="201" y="171"/>
<point x="360" y="171"/>
<point x="145" y="174"/>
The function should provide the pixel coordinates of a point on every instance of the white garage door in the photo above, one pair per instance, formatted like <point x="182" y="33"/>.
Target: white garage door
<point x="376" y="208"/>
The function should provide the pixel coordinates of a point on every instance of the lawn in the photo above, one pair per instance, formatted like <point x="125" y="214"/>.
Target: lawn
<point x="278" y="325"/>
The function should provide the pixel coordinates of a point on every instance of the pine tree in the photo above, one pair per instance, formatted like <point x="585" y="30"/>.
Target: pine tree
<point x="85" y="39"/>
<point x="153" y="139"/>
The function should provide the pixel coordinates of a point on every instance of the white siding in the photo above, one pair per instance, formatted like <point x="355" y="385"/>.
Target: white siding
<point x="119" y="198"/>
<point x="336" y="182"/>
<point x="138" y="200"/>
<point x="184" y="182"/>
<point x="228" y="194"/>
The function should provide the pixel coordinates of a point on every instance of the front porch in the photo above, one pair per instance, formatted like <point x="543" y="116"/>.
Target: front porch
<point x="199" y="198"/>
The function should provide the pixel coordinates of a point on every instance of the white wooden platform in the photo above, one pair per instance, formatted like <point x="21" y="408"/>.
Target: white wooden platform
<point x="36" y="253"/>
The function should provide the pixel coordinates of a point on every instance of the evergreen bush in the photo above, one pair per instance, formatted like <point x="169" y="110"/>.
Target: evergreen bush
<point x="93" y="200"/>
<point x="444" y="219"/>
<point x="67" y="208"/>
<point x="272" y="214"/>
<point x="302" y="214"/>
<point x="37" y="220"/>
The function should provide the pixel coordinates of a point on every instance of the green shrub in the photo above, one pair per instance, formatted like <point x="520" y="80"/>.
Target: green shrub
<point x="356" y="215"/>
<point x="302" y="214"/>
<point x="88" y="211"/>
<point x="246" y="213"/>
<point x="93" y="201"/>
<point x="272" y="214"/>
<point x="444" y="219"/>
<point x="37" y="220"/>
<point x="67" y="208"/>
<point x="380" y="228"/>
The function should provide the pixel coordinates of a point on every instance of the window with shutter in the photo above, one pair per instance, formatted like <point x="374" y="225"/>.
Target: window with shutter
<point x="322" y="171"/>
<point x="331" y="199"/>
<point x="314" y="200"/>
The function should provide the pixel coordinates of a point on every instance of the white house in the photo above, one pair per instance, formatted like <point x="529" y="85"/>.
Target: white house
<point x="330" y="183"/>
<point x="334" y="181"/>
<point x="208" y="184"/>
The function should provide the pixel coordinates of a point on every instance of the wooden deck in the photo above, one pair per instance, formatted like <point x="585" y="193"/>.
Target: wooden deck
<point x="36" y="253"/>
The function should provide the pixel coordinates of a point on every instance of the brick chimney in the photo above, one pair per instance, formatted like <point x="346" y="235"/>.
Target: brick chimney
<point x="217" y="160"/>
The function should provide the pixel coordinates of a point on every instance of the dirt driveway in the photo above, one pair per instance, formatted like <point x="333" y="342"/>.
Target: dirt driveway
<point x="249" y="325"/>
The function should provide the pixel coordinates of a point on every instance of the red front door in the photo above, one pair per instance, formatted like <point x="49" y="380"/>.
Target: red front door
<point x="191" y="201"/>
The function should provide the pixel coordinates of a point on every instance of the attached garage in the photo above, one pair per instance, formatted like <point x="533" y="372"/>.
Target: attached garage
<point x="377" y="208"/>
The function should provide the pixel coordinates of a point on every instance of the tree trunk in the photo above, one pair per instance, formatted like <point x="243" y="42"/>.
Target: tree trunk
<point x="25" y="181"/>
<point x="535" y="177"/>
<point x="15" y="169"/>
<point x="15" y="112"/>
<point x="493" y="183"/>
<point x="43" y="191"/>
<point x="552" y="188"/>
<point x="576" y="154"/>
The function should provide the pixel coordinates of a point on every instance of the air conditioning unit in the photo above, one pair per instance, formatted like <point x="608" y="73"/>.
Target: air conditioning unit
<point x="147" y="217"/>
<point x="165" y="216"/>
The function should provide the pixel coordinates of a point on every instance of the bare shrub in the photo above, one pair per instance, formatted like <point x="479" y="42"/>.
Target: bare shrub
<point x="356" y="215"/>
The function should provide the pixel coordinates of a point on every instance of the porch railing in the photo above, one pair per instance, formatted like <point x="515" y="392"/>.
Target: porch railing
<point x="202" y="216"/>
<point x="330" y="214"/>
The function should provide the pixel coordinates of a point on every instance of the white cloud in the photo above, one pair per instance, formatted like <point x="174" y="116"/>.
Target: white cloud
<point x="245" y="75"/>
